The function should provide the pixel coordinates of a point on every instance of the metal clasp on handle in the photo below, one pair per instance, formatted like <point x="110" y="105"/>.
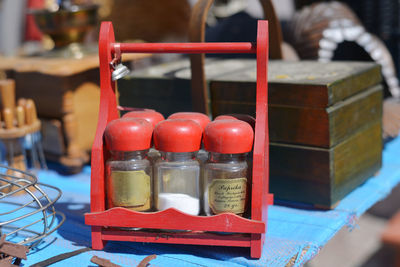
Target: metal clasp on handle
<point x="120" y="70"/>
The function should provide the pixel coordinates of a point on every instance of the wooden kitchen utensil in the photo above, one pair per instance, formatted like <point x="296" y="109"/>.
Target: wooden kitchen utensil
<point x="20" y="129"/>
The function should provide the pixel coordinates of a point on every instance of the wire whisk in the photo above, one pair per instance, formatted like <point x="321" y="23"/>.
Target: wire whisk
<point x="27" y="213"/>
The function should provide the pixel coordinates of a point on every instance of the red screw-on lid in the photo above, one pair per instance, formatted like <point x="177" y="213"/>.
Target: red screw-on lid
<point x="197" y="117"/>
<point x="228" y="137"/>
<point x="177" y="135"/>
<point x="224" y="117"/>
<point x="149" y="115"/>
<point x="246" y="118"/>
<point x="128" y="134"/>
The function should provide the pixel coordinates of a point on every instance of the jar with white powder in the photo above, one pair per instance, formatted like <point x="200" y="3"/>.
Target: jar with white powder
<point x="177" y="172"/>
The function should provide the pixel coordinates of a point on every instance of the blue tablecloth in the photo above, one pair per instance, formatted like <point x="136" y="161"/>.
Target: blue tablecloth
<point x="293" y="234"/>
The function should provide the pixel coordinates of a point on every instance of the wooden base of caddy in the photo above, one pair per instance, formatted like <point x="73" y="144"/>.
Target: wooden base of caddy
<point x="106" y="222"/>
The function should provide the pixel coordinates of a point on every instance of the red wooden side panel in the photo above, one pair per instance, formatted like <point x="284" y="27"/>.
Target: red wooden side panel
<point x="266" y="197"/>
<point x="261" y="140"/>
<point x="107" y="112"/>
<point x="174" y="220"/>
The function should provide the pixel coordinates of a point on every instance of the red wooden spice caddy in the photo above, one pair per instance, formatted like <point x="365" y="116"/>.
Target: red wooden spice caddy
<point x="247" y="232"/>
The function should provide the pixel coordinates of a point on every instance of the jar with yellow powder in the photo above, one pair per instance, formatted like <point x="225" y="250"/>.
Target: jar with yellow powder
<point x="129" y="179"/>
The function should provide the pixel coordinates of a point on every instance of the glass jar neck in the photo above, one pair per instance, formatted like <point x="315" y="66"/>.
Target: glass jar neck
<point x="129" y="155"/>
<point x="177" y="156"/>
<point x="219" y="157"/>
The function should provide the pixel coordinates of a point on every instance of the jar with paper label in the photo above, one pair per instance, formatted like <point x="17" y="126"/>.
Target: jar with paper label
<point x="177" y="172"/>
<point x="128" y="171"/>
<point x="226" y="173"/>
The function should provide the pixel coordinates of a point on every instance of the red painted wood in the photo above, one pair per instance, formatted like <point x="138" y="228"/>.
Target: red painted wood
<point x="98" y="242"/>
<point x="189" y="48"/>
<point x="107" y="112"/>
<point x="270" y="199"/>
<point x="259" y="203"/>
<point x="101" y="219"/>
<point x="174" y="219"/>
<point x="193" y="238"/>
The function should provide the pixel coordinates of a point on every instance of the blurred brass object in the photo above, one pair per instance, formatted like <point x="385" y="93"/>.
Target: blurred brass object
<point x="105" y="7"/>
<point x="47" y="42"/>
<point x="148" y="20"/>
<point x="66" y="26"/>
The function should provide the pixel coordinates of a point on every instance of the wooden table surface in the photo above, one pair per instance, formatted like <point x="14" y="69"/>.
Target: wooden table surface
<point x="57" y="66"/>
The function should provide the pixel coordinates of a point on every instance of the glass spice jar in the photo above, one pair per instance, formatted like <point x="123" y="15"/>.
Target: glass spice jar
<point x="177" y="172"/>
<point x="153" y="117"/>
<point x="226" y="173"/>
<point x="252" y="122"/>
<point x="128" y="171"/>
<point x="201" y="155"/>
<point x="199" y="118"/>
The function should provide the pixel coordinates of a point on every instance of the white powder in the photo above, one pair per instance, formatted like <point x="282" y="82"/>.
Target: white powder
<point x="181" y="202"/>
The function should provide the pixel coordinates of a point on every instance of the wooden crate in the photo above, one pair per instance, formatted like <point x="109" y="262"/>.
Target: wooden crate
<point x="309" y="102"/>
<point x="324" y="119"/>
<point x="323" y="176"/>
<point x="324" y="122"/>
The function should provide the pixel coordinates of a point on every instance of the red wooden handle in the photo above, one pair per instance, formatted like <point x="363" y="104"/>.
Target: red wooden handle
<point x="188" y="48"/>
